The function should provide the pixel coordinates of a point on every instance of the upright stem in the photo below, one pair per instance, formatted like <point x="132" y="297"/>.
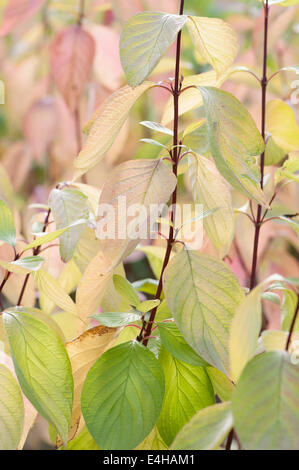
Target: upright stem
<point x="264" y="83"/>
<point x="292" y="325"/>
<point x="36" y="252"/>
<point x="81" y="12"/>
<point x="175" y="158"/>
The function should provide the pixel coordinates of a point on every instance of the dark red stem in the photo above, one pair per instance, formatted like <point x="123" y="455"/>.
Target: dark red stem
<point x="147" y="327"/>
<point x="264" y="83"/>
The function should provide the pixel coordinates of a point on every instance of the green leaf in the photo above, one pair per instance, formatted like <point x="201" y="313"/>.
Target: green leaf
<point x="206" y="430"/>
<point x="203" y="300"/>
<point x="266" y="403"/>
<point x="23" y="265"/>
<point x="155" y="126"/>
<point x="234" y="141"/>
<point x="122" y="396"/>
<point x="176" y="345"/>
<point x="223" y="387"/>
<point x="42" y="366"/>
<point x="115" y="319"/>
<point x="126" y="290"/>
<point x="145" y="38"/>
<point x="244" y="331"/>
<point x="69" y="206"/>
<point x="11" y="410"/>
<point x="188" y="389"/>
<point x="7" y="226"/>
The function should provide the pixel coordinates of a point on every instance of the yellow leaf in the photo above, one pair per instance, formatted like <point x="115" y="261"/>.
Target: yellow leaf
<point x="153" y="442"/>
<point x="276" y="340"/>
<point x="68" y="280"/>
<point x="244" y="331"/>
<point x="92" y="285"/>
<point x="281" y="123"/>
<point x="215" y="41"/>
<point x="51" y="288"/>
<point x="211" y="190"/>
<point x="106" y="124"/>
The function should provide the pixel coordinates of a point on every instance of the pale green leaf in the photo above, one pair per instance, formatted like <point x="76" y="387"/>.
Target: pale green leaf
<point x="145" y="38"/>
<point x="83" y="441"/>
<point x="68" y="206"/>
<point x="203" y="300"/>
<point x="42" y="238"/>
<point x="266" y="403"/>
<point x="23" y="265"/>
<point x="289" y="304"/>
<point x="115" y="319"/>
<point x="234" y="141"/>
<point x="153" y="142"/>
<point x="155" y="126"/>
<point x="223" y="387"/>
<point x="125" y="289"/>
<point x="244" y="331"/>
<point x="148" y="305"/>
<point x="273" y="153"/>
<point x="206" y="430"/>
<point x="42" y="366"/>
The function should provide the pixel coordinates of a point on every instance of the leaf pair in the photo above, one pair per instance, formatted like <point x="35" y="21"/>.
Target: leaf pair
<point x="147" y="36"/>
